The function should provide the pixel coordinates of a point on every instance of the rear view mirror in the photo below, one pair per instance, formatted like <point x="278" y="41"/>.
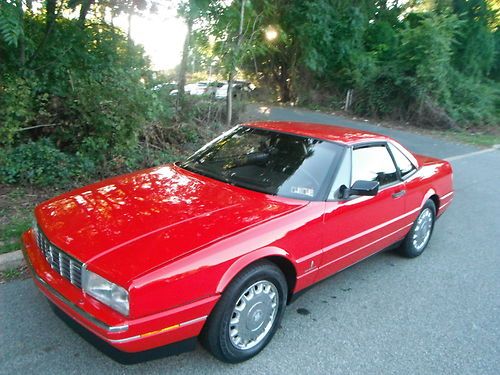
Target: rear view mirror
<point x="361" y="187"/>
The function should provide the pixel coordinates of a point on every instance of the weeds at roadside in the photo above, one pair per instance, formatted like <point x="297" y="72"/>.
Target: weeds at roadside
<point x="16" y="211"/>
<point x="476" y="139"/>
<point x="14" y="274"/>
<point x="11" y="232"/>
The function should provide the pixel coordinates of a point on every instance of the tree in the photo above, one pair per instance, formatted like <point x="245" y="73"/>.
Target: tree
<point x="475" y="48"/>
<point x="234" y="58"/>
<point x="191" y="11"/>
<point x="12" y="28"/>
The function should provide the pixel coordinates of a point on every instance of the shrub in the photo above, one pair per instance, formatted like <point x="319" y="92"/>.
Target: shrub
<point x="473" y="102"/>
<point x="81" y="107"/>
<point x="85" y="83"/>
<point x="16" y="107"/>
<point x="37" y="163"/>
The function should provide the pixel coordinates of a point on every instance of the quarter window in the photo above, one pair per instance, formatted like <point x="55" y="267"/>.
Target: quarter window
<point x="405" y="166"/>
<point x="343" y="177"/>
<point x="373" y="163"/>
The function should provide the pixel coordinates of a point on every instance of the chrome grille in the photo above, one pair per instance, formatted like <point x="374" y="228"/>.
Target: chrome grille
<point x="65" y="265"/>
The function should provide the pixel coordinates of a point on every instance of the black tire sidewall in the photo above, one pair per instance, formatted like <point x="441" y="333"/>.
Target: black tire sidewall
<point x="408" y="249"/>
<point x="217" y="329"/>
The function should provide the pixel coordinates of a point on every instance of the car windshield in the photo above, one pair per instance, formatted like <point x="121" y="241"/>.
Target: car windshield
<point x="270" y="162"/>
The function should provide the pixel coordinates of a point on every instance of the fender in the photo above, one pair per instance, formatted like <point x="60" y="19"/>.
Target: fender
<point x="248" y="259"/>
<point x="427" y="195"/>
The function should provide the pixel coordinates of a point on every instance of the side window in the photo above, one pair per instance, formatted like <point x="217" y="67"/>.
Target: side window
<point x="373" y="163"/>
<point x="343" y="177"/>
<point x="405" y="166"/>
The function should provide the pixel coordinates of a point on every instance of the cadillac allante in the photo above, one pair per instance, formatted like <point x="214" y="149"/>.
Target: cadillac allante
<point x="216" y="246"/>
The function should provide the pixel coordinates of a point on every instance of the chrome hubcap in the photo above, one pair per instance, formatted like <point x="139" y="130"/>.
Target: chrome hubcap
<point x="422" y="231"/>
<point x="253" y="315"/>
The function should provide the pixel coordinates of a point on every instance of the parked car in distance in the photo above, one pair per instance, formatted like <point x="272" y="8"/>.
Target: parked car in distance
<point x="238" y="88"/>
<point x="216" y="246"/>
<point x="213" y="87"/>
<point x="168" y="86"/>
<point x="198" y="88"/>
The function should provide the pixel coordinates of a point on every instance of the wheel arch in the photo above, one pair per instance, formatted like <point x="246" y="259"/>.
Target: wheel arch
<point x="288" y="269"/>
<point x="275" y="255"/>
<point x="434" y="197"/>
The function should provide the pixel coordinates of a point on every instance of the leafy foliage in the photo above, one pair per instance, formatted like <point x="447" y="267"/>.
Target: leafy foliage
<point x="403" y="60"/>
<point x="16" y="106"/>
<point x="76" y="93"/>
<point x="39" y="163"/>
<point x="11" y="22"/>
<point x="79" y="105"/>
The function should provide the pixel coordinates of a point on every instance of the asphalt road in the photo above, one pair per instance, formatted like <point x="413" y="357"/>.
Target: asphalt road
<point x="436" y="314"/>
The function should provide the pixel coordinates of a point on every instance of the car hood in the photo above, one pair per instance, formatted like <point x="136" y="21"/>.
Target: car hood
<point x="152" y="216"/>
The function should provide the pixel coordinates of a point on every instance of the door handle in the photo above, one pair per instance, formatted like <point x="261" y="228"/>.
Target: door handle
<point x="399" y="194"/>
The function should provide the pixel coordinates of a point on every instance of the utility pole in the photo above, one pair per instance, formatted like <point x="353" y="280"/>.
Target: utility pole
<point x="184" y="62"/>
<point x="233" y="66"/>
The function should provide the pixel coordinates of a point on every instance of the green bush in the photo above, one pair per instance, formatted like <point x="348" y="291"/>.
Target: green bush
<point x="38" y="163"/>
<point x="84" y="83"/>
<point x="419" y="82"/>
<point x="473" y="102"/>
<point x="16" y="107"/>
<point x="78" y="108"/>
<point x="41" y="163"/>
<point x="432" y="63"/>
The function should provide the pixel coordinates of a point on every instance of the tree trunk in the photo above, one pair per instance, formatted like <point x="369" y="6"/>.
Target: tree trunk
<point x="284" y="84"/>
<point x="184" y="61"/>
<point x="229" y="98"/>
<point x="285" y="93"/>
<point x="22" y="44"/>
<point x="50" y="17"/>
<point x="236" y="51"/>
<point x="50" y="20"/>
<point x="129" y="31"/>
<point x="86" y="4"/>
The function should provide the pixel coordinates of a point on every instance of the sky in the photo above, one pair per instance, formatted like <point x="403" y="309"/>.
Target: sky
<point x="162" y="34"/>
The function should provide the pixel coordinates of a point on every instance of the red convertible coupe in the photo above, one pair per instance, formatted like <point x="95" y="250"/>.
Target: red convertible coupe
<point x="215" y="246"/>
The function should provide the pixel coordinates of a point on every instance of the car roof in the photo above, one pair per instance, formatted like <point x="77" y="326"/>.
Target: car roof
<point x="334" y="133"/>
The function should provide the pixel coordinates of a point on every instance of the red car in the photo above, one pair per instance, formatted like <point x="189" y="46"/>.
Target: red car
<point x="217" y="245"/>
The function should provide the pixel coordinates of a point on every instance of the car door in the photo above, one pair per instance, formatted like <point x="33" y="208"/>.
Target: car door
<point x="359" y="226"/>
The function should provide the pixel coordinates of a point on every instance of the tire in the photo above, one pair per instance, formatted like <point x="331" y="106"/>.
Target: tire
<point x="252" y="306"/>
<point x="420" y="233"/>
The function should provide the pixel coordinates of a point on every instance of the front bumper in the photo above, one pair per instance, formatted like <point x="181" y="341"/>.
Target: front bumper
<point x="129" y="335"/>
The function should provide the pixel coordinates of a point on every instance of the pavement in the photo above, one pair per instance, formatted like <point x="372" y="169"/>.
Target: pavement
<point x="435" y="314"/>
<point x="11" y="260"/>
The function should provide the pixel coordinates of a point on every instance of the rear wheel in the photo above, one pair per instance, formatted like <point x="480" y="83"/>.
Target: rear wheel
<point x="247" y="315"/>
<point x="420" y="234"/>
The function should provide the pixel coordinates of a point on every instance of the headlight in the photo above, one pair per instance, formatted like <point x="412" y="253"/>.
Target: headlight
<point x="105" y="291"/>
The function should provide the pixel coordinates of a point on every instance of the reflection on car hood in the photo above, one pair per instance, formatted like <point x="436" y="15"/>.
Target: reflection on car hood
<point x="180" y="210"/>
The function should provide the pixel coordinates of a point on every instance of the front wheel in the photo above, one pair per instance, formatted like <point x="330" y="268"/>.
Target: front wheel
<point x="247" y="315"/>
<point x="420" y="233"/>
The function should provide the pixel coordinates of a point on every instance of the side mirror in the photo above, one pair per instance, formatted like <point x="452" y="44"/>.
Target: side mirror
<point x="361" y="187"/>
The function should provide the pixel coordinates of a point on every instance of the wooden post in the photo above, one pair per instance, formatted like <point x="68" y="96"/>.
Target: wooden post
<point x="348" y="100"/>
